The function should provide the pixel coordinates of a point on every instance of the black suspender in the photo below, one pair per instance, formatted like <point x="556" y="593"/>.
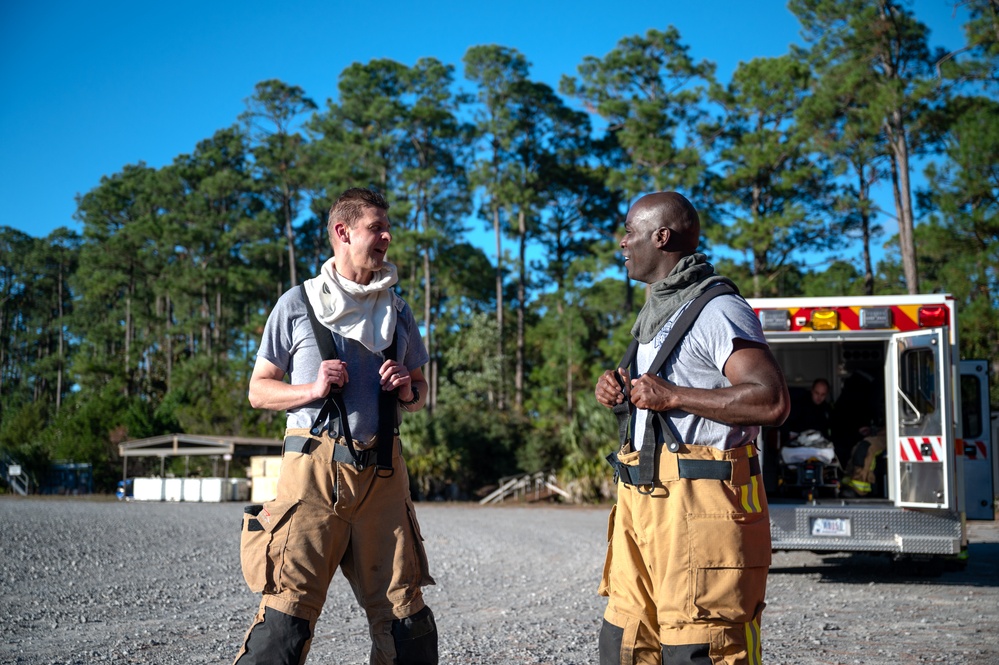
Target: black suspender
<point x="334" y="399"/>
<point x="657" y="419"/>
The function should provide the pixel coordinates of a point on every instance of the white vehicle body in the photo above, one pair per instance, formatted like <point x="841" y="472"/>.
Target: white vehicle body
<point x="939" y="464"/>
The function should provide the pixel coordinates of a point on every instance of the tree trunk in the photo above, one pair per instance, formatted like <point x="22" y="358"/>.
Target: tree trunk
<point x="865" y="227"/>
<point x="903" y="209"/>
<point x="169" y="341"/>
<point x="500" y="401"/>
<point x="428" y="318"/>
<point x="518" y="381"/>
<point x="128" y="342"/>
<point x="289" y="234"/>
<point x="906" y="221"/>
<point x="759" y="262"/>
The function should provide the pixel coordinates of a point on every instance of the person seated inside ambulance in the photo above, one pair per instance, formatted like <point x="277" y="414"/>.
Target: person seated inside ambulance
<point x="861" y="475"/>
<point x="859" y="406"/>
<point x="810" y="410"/>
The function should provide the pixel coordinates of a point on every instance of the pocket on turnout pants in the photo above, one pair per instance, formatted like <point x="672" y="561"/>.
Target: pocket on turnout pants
<point x="729" y="560"/>
<point x="263" y="543"/>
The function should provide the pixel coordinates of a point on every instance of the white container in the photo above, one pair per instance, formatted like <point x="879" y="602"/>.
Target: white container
<point x="173" y="489"/>
<point x="211" y="490"/>
<point x="192" y="489"/>
<point x="147" y="489"/>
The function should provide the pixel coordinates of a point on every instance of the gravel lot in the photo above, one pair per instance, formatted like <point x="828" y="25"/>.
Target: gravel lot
<point x="101" y="581"/>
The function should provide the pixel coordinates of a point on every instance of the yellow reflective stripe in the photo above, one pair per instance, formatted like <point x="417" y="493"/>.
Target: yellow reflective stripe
<point x="750" y="495"/>
<point x="859" y="485"/>
<point x="744" y="490"/>
<point x="754" y="651"/>
<point x="757" y="504"/>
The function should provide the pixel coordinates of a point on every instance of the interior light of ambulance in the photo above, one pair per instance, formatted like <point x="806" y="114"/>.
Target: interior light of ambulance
<point x="825" y="319"/>
<point x="933" y="316"/>
<point x="775" y="319"/>
<point x="875" y="317"/>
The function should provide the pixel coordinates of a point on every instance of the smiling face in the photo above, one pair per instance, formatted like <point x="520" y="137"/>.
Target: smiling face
<point x="359" y="250"/>
<point x="660" y="229"/>
<point x="641" y="245"/>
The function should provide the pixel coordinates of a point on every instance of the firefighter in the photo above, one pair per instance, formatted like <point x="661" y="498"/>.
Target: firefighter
<point x="343" y="492"/>
<point x="809" y="410"/>
<point x="689" y="548"/>
<point x="860" y="475"/>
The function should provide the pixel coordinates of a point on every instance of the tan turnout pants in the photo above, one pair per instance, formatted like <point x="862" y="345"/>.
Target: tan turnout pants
<point x="687" y="564"/>
<point x="860" y="472"/>
<point x="328" y="515"/>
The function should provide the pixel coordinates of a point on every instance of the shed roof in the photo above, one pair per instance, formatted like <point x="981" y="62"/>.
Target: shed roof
<point x="172" y="445"/>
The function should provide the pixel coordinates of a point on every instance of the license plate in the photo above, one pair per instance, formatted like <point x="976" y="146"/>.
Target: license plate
<point x="836" y="526"/>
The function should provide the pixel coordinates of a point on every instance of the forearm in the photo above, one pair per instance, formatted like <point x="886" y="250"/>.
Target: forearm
<point x="744" y="404"/>
<point x="277" y="395"/>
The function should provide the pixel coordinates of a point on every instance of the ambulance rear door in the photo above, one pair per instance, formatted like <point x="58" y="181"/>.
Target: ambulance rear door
<point x="976" y="437"/>
<point x="920" y="425"/>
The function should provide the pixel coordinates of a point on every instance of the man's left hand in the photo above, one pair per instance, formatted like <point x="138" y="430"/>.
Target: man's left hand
<point x="653" y="393"/>
<point x="395" y="375"/>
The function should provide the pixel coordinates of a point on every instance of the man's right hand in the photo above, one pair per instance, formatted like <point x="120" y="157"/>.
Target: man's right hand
<point x="609" y="391"/>
<point x="331" y="373"/>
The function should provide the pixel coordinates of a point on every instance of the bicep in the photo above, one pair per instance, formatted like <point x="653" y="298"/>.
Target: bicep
<point x="265" y="369"/>
<point x="752" y="362"/>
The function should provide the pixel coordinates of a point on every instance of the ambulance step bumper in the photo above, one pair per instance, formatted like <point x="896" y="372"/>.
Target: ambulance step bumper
<point x="846" y="527"/>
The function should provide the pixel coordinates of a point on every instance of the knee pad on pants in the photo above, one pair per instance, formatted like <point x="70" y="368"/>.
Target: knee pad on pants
<point x="611" y="637"/>
<point x="416" y="639"/>
<point x="632" y="644"/>
<point x="279" y="639"/>
<point x="687" y="654"/>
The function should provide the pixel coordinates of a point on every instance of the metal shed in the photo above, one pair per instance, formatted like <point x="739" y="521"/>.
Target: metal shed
<point x="175" y="445"/>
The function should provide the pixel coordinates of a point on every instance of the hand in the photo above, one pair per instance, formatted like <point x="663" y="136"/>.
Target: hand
<point x="395" y="375"/>
<point x="331" y="373"/>
<point x="652" y="393"/>
<point x="609" y="391"/>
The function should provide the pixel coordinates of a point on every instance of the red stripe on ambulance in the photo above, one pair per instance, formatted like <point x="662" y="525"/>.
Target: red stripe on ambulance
<point x="921" y="448"/>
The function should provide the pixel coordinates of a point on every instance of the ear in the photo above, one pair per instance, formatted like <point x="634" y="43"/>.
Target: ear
<point x="661" y="237"/>
<point x="342" y="232"/>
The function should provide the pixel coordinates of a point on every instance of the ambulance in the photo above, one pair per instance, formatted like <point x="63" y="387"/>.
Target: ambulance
<point x="938" y="468"/>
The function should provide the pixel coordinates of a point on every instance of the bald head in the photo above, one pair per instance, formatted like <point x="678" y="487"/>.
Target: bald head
<point x="672" y="211"/>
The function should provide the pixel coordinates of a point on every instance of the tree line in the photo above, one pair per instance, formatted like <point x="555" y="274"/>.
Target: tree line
<point x="148" y="321"/>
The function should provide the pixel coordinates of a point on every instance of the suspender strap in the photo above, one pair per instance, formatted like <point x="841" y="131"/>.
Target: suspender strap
<point x="623" y="410"/>
<point x="334" y="400"/>
<point x="388" y="402"/>
<point x="657" y="423"/>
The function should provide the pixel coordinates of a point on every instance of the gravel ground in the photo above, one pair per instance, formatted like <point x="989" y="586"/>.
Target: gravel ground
<point x="101" y="581"/>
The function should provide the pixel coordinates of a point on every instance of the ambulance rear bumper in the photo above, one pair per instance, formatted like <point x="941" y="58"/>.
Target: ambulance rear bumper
<point x="848" y="527"/>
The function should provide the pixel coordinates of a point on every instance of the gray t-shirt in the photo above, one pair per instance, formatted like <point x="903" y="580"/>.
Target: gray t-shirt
<point x="288" y="343"/>
<point x="697" y="362"/>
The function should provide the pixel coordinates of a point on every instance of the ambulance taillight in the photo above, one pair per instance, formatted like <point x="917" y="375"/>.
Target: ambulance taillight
<point x="933" y="316"/>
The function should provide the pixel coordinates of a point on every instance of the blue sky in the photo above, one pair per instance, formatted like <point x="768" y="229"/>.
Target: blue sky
<point x="90" y="87"/>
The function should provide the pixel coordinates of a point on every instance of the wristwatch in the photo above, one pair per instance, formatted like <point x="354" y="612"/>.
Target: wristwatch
<point x="416" y="398"/>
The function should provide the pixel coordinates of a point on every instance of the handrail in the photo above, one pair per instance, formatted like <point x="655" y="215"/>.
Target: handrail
<point x="522" y="484"/>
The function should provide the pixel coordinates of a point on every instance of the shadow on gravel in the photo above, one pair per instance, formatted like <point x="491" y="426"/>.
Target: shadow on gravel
<point x="861" y="568"/>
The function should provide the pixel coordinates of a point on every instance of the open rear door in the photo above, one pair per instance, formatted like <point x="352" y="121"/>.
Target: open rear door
<point x="976" y="441"/>
<point x="920" y="430"/>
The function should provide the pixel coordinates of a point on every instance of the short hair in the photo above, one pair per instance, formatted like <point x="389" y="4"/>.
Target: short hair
<point x="349" y="207"/>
